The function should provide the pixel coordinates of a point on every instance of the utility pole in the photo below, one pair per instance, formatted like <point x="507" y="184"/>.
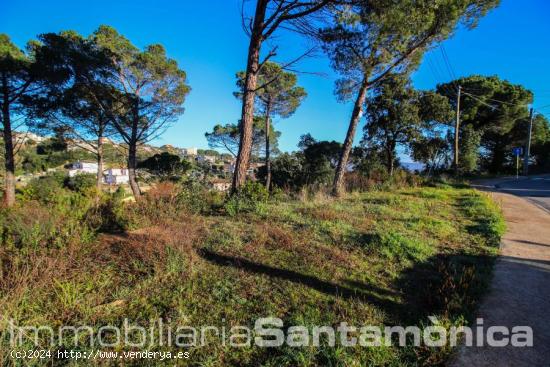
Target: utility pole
<point x="457" y="129"/>
<point x="528" y="145"/>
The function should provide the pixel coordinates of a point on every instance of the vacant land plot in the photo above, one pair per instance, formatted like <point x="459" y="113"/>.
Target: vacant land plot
<point x="391" y="258"/>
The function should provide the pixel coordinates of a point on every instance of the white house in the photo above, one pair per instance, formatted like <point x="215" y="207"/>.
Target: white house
<point x="189" y="151"/>
<point x="221" y="185"/>
<point x="116" y="176"/>
<point x="229" y="167"/>
<point x="206" y="159"/>
<point x="82" y="167"/>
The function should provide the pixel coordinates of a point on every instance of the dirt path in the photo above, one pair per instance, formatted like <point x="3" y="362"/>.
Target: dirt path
<point x="520" y="290"/>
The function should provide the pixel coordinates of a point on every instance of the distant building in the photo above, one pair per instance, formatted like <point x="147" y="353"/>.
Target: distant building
<point x="189" y="151"/>
<point x="229" y="167"/>
<point x="116" y="176"/>
<point x="206" y="159"/>
<point x="221" y="184"/>
<point x="78" y="168"/>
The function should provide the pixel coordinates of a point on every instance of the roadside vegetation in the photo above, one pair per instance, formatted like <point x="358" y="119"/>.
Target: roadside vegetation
<point x="391" y="256"/>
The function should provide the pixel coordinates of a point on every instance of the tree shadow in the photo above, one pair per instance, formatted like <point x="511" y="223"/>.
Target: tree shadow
<point x="444" y="284"/>
<point x="353" y="290"/>
<point x="530" y="243"/>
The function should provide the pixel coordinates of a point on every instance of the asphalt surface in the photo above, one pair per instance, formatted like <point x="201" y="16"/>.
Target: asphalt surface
<point x="535" y="189"/>
<point x="519" y="294"/>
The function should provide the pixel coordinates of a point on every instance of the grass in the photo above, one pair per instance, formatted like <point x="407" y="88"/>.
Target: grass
<point x="368" y="259"/>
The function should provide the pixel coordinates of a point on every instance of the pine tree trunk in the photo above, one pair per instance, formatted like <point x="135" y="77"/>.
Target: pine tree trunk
<point x="389" y="155"/>
<point x="267" y="147"/>
<point x="99" y="163"/>
<point x="251" y="80"/>
<point x="132" y="152"/>
<point x="338" y="183"/>
<point x="132" y="164"/>
<point x="9" y="164"/>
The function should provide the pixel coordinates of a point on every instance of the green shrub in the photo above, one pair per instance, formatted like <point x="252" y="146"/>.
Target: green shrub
<point x="194" y="197"/>
<point x="110" y="214"/>
<point x="54" y="224"/>
<point x="81" y="183"/>
<point x="46" y="189"/>
<point x="251" y="198"/>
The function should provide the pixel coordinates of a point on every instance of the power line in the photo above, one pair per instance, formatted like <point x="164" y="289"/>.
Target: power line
<point x="447" y="61"/>
<point x="499" y="101"/>
<point x="481" y="101"/>
<point x="436" y="71"/>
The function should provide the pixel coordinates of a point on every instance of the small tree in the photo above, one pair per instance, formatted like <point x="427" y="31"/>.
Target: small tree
<point x="279" y="96"/>
<point x="226" y="137"/>
<point x="392" y="118"/>
<point x="430" y="150"/>
<point x="319" y="159"/>
<point x="165" y="165"/>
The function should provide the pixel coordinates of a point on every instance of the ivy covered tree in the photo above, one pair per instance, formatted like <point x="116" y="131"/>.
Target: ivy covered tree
<point x="373" y="40"/>
<point x="279" y="97"/>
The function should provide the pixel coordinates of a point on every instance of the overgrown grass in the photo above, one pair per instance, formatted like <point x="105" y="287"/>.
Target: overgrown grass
<point x="367" y="259"/>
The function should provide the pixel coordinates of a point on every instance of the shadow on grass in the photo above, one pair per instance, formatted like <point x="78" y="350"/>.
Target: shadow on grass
<point x="444" y="284"/>
<point x="364" y="293"/>
<point x="448" y="285"/>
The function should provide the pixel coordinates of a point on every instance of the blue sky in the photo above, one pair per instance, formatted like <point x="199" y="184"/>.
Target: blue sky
<point x="207" y="40"/>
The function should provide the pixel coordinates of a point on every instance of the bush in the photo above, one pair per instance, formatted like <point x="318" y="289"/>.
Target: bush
<point x="110" y="213"/>
<point x="169" y="201"/>
<point x="196" y="198"/>
<point x="46" y="189"/>
<point x="54" y="224"/>
<point x="81" y="183"/>
<point x="251" y="198"/>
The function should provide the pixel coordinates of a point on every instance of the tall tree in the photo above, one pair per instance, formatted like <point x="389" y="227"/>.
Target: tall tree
<point x="148" y="87"/>
<point x="23" y="76"/>
<point x="279" y="96"/>
<point x="383" y="37"/>
<point x="491" y="107"/>
<point x="397" y="114"/>
<point x="269" y="16"/>
<point x="140" y="92"/>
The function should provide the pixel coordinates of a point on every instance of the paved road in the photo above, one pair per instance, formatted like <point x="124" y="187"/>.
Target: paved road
<point x="536" y="189"/>
<point x="520" y="290"/>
